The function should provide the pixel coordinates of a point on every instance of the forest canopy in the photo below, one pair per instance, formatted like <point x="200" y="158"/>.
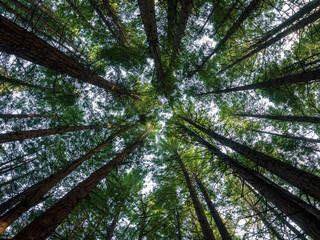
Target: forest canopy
<point x="167" y="119"/>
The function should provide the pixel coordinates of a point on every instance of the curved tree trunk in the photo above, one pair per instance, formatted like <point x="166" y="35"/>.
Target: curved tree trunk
<point x="282" y="118"/>
<point x="16" y="40"/>
<point x="213" y="211"/>
<point x="45" y="224"/>
<point x="304" y="215"/>
<point x="205" y="226"/>
<point x="34" y="193"/>
<point x="307" y="182"/>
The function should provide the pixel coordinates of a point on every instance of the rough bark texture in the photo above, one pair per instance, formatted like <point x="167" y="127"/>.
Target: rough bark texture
<point x="296" y="78"/>
<point x="306" y="182"/>
<point x="30" y="197"/>
<point x="282" y="118"/>
<point x="205" y="226"/>
<point x="147" y="11"/>
<point x="45" y="224"/>
<point x="304" y="215"/>
<point x="16" y="40"/>
<point x="213" y="211"/>
<point x="21" y="135"/>
<point x="301" y="24"/>
<point x="244" y="15"/>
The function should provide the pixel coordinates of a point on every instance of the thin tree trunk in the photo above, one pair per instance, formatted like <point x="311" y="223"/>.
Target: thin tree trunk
<point x="213" y="211"/>
<point x="16" y="40"/>
<point x="178" y="218"/>
<point x="45" y="224"/>
<point x="186" y="9"/>
<point x="10" y="168"/>
<point x="307" y="182"/>
<point x="304" y="77"/>
<point x="32" y="195"/>
<point x="244" y="15"/>
<point x="147" y="11"/>
<point x="304" y="215"/>
<point x="15" y="179"/>
<point x="205" y="226"/>
<point x="77" y="11"/>
<point x="306" y="9"/>
<point x="282" y="118"/>
<point x="8" y="116"/>
<point x="21" y="135"/>
<point x="301" y="24"/>
<point x="290" y="136"/>
<point x="113" y="224"/>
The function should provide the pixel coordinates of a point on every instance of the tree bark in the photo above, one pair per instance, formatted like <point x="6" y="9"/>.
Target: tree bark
<point x="308" y="183"/>
<point x="213" y="211"/>
<point x="32" y="195"/>
<point x="22" y="135"/>
<point x="113" y="224"/>
<point x="205" y="227"/>
<point x="301" y="24"/>
<point x="45" y="224"/>
<point x="304" y="215"/>
<point x="244" y="15"/>
<point x="290" y="136"/>
<point x="16" y="40"/>
<point x="304" y="77"/>
<point x="147" y="11"/>
<point x="282" y="118"/>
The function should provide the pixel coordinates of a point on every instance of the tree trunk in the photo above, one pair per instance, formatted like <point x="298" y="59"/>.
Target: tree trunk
<point x="21" y="135"/>
<point x="178" y="218"/>
<point x="171" y="20"/>
<point x="15" y="179"/>
<point x="77" y="11"/>
<point x="16" y="40"/>
<point x="186" y="9"/>
<point x="282" y="118"/>
<point x="304" y="215"/>
<point x="306" y="182"/>
<point x="45" y="224"/>
<point x="113" y="224"/>
<point x="37" y="191"/>
<point x="147" y="11"/>
<point x="213" y="211"/>
<point x="304" y="77"/>
<point x="45" y="185"/>
<point x="301" y="24"/>
<point x="8" y="116"/>
<point x="290" y="136"/>
<point x="205" y="227"/>
<point x="10" y="168"/>
<point x="244" y="15"/>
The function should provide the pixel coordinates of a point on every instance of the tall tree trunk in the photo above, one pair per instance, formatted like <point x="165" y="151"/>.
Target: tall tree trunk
<point x="205" y="226"/>
<point x="186" y="9"/>
<point x="304" y="215"/>
<point x="282" y="118"/>
<point x="37" y="191"/>
<point x="21" y="135"/>
<point x="10" y="168"/>
<point x="290" y="136"/>
<point x="8" y="116"/>
<point x="171" y="20"/>
<point x="244" y="15"/>
<point x="178" y="218"/>
<point x="147" y="11"/>
<point x="113" y="224"/>
<point x="304" y="77"/>
<point x="213" y="211"/>
<point x="16" y="40"/>
<point x="306" y="182"/>
<point x="301" y="24"/>
<point x="15" y="179"/>
<point x="45" y="224"/>
<point x="78" y="12"/>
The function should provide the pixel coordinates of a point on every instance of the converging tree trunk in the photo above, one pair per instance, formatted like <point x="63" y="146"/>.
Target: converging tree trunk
<point x="213" y="211"/>
<point x="308" y="183"/>
<point x="16" y="40"/>
<point x="21" y="135"/>
<point x="290" y="136"/>
<point x="45" y="224"/>
<point x="304" y="215"/>
<point x="304" y="77"/>
<point x="32" y="195"/>
<point x="205" y="226"/>
<point x="282" y="118"/>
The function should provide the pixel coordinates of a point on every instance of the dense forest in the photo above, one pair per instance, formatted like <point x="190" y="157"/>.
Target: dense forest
<point x="167" y="119"/>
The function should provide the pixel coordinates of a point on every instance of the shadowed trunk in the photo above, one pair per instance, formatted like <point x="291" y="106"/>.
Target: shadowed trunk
<point x="32" y="195"/>
<point x="205" y="226"/>
<point x="304" y="77"/>
<point x="45" y="224"/>
<point x="282" y="118"/>
<point x="8" y="116"/>
<point x="290" y="136"/>
<point x="213" y="211"/>
<point x="16" y="40"/>
<point x="306" y="182"/>
<point x="304" y="215"/>
<point x="113" y="224"/>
